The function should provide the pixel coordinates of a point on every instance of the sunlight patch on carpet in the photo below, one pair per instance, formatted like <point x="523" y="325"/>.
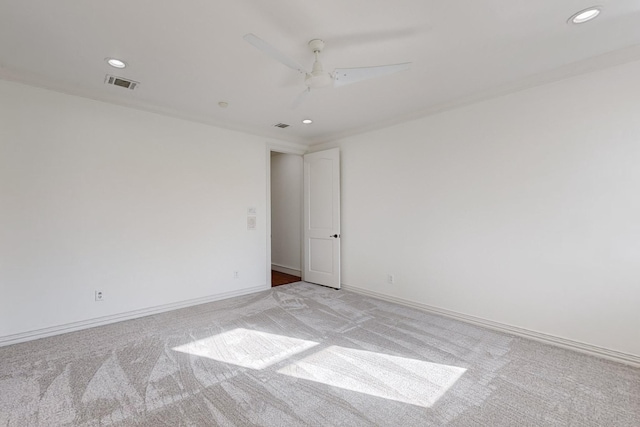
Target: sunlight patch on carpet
<point x="247" y="348"/>
<point x="391" y="377"/>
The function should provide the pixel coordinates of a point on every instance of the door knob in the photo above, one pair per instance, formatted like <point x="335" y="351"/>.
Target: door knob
<point x="335" y="236"/>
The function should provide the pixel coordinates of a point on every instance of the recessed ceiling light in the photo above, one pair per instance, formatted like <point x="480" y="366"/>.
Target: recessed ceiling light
<point x="116" y="63"/>
<point x="307" y="121"/>
<point x="223" y="104"/>
<point x="585" y="15"/>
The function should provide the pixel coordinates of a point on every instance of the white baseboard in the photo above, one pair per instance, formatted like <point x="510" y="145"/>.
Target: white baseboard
<point x="617" y="356"/>
<point x="99" y="321"/>
<point x="286" y="270"/>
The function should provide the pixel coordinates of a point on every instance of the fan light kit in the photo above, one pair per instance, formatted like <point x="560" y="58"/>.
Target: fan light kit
<point x="116" y="63"/>
<point x="319" y="78"/>
<point x="585" y="15"/>
<point x="307" y="121"/>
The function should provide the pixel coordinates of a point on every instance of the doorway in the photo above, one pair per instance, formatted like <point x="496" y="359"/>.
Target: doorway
<point x="286" y="177"/>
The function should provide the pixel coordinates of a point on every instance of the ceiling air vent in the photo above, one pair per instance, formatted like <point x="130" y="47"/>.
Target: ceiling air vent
<point x="281" y="125"/>
<point x="119" y="81"/>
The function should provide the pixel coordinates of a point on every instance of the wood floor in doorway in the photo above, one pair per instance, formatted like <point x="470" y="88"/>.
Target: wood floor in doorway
<point x="278" y="278"/>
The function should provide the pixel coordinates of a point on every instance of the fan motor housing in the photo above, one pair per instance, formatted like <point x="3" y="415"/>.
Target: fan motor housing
<point x="317" y="81"/>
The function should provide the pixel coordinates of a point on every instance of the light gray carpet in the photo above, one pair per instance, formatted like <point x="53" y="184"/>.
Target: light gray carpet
<point x="300" y="355"/>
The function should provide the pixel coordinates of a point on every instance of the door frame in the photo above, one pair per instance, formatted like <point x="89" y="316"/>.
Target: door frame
<point x="286" y="149"/>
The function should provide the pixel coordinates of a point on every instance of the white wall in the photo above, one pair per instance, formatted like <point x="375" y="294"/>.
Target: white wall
<point x="286" y="210"/>
<point x="149" y="209"/>
<point x="523" y="210"/>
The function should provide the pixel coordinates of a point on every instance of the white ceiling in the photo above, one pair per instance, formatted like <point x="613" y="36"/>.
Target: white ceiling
<point x="189" y="55"/>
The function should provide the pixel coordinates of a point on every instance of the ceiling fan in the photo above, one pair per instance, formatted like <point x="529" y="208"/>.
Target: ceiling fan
<point x="318" y="77"/>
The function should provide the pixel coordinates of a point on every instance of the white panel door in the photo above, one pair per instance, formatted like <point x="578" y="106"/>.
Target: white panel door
<point x="322" y="218"/>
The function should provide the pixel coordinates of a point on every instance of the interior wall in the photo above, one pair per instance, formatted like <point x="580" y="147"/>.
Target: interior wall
<point x="286" y="212"/>
<point x="522" y="210"/>
<point x="151" y="210"/>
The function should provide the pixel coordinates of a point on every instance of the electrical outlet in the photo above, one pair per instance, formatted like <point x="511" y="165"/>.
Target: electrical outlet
<point x="99" y="296"/>
<point x="236" y="274"/>
<point x="390" y="279"/>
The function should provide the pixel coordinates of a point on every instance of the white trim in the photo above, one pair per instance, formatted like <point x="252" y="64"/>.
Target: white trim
<point x="286" y="270"/>
<point x="100" y="321"/>
<point x="267" y="272"/>
<point x="593" y="350"/>
<point x="286" y="148"/>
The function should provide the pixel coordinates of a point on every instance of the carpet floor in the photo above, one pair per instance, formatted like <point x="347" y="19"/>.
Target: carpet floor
<point x="305" y="355"/>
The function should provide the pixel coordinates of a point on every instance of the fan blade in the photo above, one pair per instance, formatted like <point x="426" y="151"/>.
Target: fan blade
<point x="345" y="76"/>
<point x="271" y="51"/>
<point x="300" y="98"/>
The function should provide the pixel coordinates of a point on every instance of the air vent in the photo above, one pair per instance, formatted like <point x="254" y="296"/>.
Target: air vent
<point x="119" y="81"/>
<point x="281" y="125"/>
